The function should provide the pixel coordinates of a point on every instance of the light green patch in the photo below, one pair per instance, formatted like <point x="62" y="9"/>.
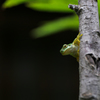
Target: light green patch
<point x="56" y="26"/>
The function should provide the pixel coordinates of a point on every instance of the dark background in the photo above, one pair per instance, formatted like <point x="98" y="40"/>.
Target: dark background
<point x="34" y="69"/>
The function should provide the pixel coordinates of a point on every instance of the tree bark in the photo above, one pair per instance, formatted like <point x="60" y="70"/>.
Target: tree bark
<point x="89" y="60"/>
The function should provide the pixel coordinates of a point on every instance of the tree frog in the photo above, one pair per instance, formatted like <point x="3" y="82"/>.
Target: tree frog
<point x="72" y="48"/>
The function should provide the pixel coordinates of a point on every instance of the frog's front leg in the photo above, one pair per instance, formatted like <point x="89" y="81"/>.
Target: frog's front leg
<point x="77" y="40"/>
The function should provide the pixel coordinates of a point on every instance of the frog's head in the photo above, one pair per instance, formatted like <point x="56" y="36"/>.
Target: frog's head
<point x="65" y="50"/>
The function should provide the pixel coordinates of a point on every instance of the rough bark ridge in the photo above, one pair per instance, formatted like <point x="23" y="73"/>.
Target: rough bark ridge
<point x="89" y="63"/>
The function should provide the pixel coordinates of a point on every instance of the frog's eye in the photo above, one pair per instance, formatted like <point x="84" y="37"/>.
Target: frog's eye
<point x="65" y="45"/>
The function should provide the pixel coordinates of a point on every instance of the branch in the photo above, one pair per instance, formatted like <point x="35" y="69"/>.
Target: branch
<point x="89" y="60"/>
<point x="76" y="8"/>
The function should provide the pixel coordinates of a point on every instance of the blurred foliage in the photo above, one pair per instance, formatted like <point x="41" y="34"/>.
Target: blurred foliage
<point x="56" y="26"/>
<point x="50" y="6"/>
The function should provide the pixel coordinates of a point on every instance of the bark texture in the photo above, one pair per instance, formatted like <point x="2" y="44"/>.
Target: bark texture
<point x="89" y="62"/>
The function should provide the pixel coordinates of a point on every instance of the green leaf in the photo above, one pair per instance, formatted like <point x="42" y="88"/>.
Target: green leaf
<point x="99" y="7"/>
<point x="46" y="5"/>
<point x="56" y="26"/>
<point x="50" y="7"/>
<point x="11" y="3"/>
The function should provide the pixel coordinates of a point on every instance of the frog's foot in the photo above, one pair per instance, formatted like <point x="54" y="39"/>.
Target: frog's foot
<point x="79" y="35"/>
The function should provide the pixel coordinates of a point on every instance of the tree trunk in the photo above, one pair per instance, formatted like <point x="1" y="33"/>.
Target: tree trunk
<point x="89" y="60"/>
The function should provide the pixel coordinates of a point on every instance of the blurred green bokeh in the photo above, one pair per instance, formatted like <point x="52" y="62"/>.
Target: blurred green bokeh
<point x="54" y="26"/>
